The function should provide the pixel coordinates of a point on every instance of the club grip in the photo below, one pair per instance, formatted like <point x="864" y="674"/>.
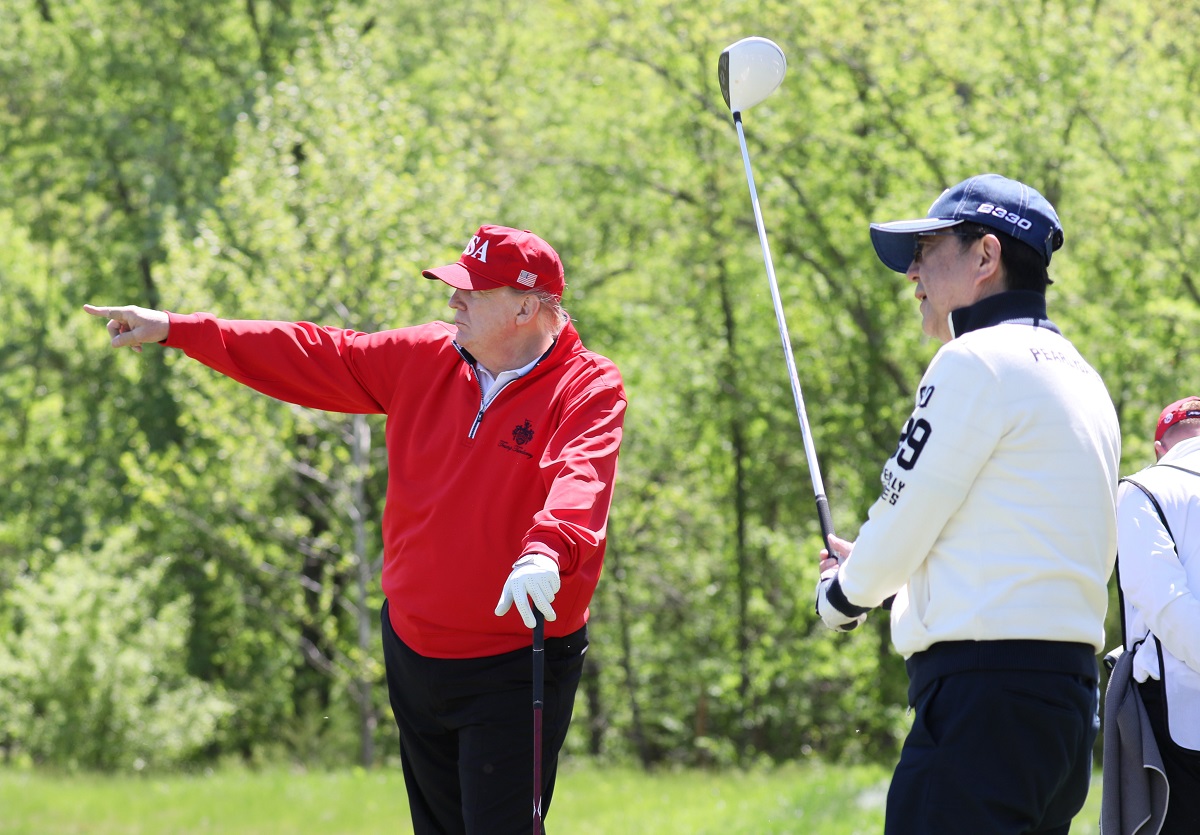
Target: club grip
<point x="539" y="647"/>
<point x="539" y="664"/>
<point x="826" y="521"/>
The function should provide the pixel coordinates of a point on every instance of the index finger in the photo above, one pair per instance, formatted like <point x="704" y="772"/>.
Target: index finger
<point x="104" y="312"/>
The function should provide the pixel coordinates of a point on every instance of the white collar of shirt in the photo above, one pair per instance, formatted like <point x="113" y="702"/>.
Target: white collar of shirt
<point x="492" y="385"/>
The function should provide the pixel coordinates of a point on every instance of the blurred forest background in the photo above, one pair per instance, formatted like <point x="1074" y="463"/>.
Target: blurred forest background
<point x="189" y="571"/>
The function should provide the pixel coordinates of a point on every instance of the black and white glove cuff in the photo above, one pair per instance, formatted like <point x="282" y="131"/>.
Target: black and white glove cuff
<point x="835" y="610"/>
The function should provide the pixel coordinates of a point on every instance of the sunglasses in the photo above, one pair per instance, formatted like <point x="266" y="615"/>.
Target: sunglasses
<point x="922" y="238"/>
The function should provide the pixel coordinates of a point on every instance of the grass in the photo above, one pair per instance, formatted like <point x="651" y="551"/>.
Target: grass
<point x="589" y="800"/>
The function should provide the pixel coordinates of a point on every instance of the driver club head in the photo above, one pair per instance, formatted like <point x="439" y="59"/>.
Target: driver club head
<point x="749" y="71"/>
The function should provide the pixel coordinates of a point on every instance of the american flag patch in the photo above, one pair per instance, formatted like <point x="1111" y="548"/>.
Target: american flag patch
<point x="527" y="278"/>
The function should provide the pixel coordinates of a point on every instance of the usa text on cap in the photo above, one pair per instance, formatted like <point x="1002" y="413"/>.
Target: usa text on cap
<point x="500" y="256"/>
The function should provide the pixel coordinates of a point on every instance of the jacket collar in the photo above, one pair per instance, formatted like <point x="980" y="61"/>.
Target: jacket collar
<point x="1022" y="307"/>
<point x="565" y="344"/>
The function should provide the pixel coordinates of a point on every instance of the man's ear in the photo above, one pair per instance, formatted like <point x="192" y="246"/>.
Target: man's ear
<point x="528" y="311"/>
<point x="989" y="267"/>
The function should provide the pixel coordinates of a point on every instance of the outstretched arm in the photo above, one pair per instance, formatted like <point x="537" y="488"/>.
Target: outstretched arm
<point x="132" y="326"/>
<point x="297" y="362"/>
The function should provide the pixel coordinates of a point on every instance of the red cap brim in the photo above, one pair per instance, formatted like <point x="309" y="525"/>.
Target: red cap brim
<point x="460" y="278"/>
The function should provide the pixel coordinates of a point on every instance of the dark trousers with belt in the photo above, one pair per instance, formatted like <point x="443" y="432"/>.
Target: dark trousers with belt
<point x="466" y="732"/>
<point x="1182" y="765"/>
<point x="1001" y="742"/>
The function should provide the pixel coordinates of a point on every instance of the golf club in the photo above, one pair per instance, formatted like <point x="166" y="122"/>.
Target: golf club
<point x="749" y="71"/>
<point x="539" y="685"/>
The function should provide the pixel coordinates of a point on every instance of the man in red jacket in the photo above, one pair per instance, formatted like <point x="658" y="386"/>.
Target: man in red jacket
<point x="502" y="440"/>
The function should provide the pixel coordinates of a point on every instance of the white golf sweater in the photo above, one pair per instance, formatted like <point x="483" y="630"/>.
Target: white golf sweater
<point x="997" y="517"/>
<point x="1160" y="581"/>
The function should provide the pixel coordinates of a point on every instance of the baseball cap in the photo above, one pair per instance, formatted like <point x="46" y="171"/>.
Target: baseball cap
<point x="499" y="256"/>
<point x="1174" y="413"/>
<point x="990" y="199"/>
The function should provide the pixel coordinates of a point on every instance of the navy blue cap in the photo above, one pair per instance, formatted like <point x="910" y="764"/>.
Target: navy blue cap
<point x="989" y="199"/>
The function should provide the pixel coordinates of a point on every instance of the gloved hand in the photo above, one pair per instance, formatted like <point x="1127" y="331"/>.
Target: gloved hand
<point x="534" y="577"/>
<point x="834" y="618"/>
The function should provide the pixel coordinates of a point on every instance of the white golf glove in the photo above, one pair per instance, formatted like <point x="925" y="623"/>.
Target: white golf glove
<point x="834" y="618"/>
<point x="534" y="577"/>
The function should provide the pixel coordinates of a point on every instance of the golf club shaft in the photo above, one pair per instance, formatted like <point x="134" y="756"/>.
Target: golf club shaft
<point x="810" y="452"/>
<point x="539" y="685"/>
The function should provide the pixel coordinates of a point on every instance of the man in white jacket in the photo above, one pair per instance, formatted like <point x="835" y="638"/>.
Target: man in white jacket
<point x="1159" y="566"/>
<point x="995" y="530"/>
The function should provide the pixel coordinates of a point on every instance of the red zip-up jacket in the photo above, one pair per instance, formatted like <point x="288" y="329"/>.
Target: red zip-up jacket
<point x="469" y="491"/>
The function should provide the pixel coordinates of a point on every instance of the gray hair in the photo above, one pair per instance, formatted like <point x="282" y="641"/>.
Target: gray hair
<point x="553" y="304"/>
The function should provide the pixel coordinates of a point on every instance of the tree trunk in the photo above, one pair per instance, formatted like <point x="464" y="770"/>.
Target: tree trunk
<point x="368" y="720"/>
<point x="636" y="731"/>
<point x="597" y="721"/>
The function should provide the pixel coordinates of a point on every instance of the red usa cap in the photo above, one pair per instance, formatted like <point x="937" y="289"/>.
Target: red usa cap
<point x="1186" y="409"/>
<point x="498" y="256"/>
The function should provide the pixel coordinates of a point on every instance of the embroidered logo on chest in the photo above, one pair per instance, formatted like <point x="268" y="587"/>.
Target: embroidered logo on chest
<point x="521" y="435"/>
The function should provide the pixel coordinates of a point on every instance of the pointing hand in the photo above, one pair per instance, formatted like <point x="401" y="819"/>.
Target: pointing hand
<point x="132" y="326"/>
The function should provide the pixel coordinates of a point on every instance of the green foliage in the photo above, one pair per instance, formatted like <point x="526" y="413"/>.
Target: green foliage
<point x="306" y="160"/>
<point x="92" y="666"/>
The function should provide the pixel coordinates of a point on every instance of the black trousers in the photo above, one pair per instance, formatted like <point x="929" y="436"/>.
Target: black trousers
<point x="466" y="732"/>
<point x="996" y="752"/>
<point x="1182" y="765"/>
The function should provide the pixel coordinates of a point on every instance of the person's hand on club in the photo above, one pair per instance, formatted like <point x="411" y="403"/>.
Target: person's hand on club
<point x="534" y="577"/>
<point x="841" y="551"/>
<point x="833" y="616"/>
<point x="131" y="326"/>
